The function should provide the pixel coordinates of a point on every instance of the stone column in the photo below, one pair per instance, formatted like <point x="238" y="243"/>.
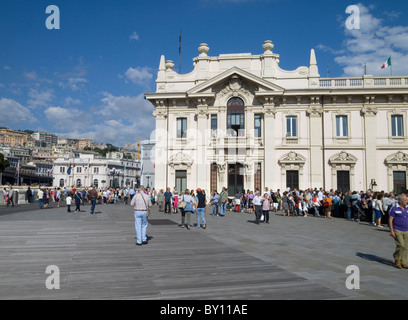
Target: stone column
<point x="315" y="158"/>
<point x="202" y="167"/>
<point x="161" y="148"/>
<point x="370" y="138"/>
<point x="271" y="180"/>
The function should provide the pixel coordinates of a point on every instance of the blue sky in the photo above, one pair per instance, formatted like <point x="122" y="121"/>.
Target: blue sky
<point x="87" y="79"/>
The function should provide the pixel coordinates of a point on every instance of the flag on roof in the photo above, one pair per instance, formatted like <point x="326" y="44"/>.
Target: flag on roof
<point x="386" y="63"/>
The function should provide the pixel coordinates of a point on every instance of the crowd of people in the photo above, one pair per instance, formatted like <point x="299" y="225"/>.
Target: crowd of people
<point x="370" y="206"/>
<point x="375" y="208"/>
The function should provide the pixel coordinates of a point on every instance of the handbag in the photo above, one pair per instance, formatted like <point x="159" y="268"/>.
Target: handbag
<point x="182" y="203"/>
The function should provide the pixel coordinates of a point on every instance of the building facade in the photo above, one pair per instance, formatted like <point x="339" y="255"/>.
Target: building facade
<point x="148" y="164"/>
<point x="45" y="139"/>
<point x="13" y="138"/>
<point x="240" y="121"/>
<point x="88" y="170"/>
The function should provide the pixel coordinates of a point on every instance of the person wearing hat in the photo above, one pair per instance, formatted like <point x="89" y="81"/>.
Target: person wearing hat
<point x="201" y="203"/>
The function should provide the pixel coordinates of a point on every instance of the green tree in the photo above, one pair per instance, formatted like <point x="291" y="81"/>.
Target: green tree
<point x="3" y="163"/>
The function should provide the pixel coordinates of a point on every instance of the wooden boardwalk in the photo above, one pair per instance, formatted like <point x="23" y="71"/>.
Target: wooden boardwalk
<point x="98" y="259"/>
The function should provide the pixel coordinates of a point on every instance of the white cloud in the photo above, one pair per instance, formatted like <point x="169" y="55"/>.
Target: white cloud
<point x="134" y="36"/>
<point x="372" y="44"/>
<point x="31" y="75"/>
<point x="67" y="118"/>
<point x="118" y="120"/>
<point x="68" y="101"/>
<point x="13" y="113"/>
<point x="40" y="98"/>
<point x="125" y="107"/>
<point x="139" y="75"/>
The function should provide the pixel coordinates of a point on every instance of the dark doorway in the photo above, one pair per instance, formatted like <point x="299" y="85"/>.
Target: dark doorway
<point x="235" y="178"/>
<point x="343" y="181"/>
<point x="292" y="179"/>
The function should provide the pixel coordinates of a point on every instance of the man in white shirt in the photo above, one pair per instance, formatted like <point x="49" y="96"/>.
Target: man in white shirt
<point x="141" y="203"/>
<point x="257" y="202"/>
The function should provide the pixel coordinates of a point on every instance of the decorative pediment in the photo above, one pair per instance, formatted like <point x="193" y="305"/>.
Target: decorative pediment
<point x="397" y="158"/>
<point x="181" y="158"/>
<point x="234" y="87"/>
<point x="343" y="158"/>
<point x="292" y="158"/>
<point x="234" y="77"/>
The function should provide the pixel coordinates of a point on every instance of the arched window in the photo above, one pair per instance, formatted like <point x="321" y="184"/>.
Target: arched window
<point x="78" y="184"/>
<point x="236" y="116"/>
<point x="61" y="182"/>
<point x="95" y="183"/>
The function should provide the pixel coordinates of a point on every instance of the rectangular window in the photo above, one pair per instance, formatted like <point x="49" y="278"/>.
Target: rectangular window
<point x="291" y="126"/>
<point x="79" y="169"/>
<point x="396" y="126"/>
<point x="181" y="127"/>
<point x="96" y="170"/>
<point x="341" y="126"/>
<point x="181" y="180"/>
<point x="62" y="169"/>
<point x="214" y="122"/>
<point x="257" y="125"/>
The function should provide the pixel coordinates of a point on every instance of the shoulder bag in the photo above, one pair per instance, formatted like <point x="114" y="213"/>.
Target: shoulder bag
<point x="147" y="208"/>
<point x="182" y="203"/>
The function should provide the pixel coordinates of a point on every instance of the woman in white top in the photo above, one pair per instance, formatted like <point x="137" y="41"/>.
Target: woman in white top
<point x="379" y="210"/>
<point x="188" y="209"/>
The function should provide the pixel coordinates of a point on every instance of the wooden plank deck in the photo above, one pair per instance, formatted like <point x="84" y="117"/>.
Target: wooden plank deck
<point x="98" y="259"/>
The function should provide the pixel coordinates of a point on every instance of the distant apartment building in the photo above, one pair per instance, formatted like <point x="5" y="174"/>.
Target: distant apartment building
<point x="13" y="138"/>
<point x="83" y="143"/>
<point x="45" y="139"/>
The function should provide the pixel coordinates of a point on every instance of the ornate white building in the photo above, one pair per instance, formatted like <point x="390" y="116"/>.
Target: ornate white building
<point x="88" y="170"/>
<point x="240" y="121"/>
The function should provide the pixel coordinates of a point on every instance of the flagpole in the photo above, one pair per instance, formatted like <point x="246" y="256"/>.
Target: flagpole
<point x="18" y="172"/>
<point x="180" y="52"/>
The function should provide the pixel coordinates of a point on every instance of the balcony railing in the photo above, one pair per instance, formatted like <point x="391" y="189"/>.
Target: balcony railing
<point x="365" y="82"/>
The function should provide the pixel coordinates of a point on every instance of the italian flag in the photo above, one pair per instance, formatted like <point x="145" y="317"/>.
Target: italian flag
<point x="386" y="63"/>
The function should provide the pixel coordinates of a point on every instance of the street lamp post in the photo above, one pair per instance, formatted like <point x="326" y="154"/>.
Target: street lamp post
<point x="115" y="172"/>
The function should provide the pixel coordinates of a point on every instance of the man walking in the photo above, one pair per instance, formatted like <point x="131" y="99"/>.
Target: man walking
<point x="223" y="201"/>
<point x="167" y="198"/>
<point x="258" y="206"/>
<point x="201" y="203"/>
<point x="398" y="224"/>
<point x="141" y="203"/>
<point x="93" y="195"/>
<point x="10" y="197"/>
